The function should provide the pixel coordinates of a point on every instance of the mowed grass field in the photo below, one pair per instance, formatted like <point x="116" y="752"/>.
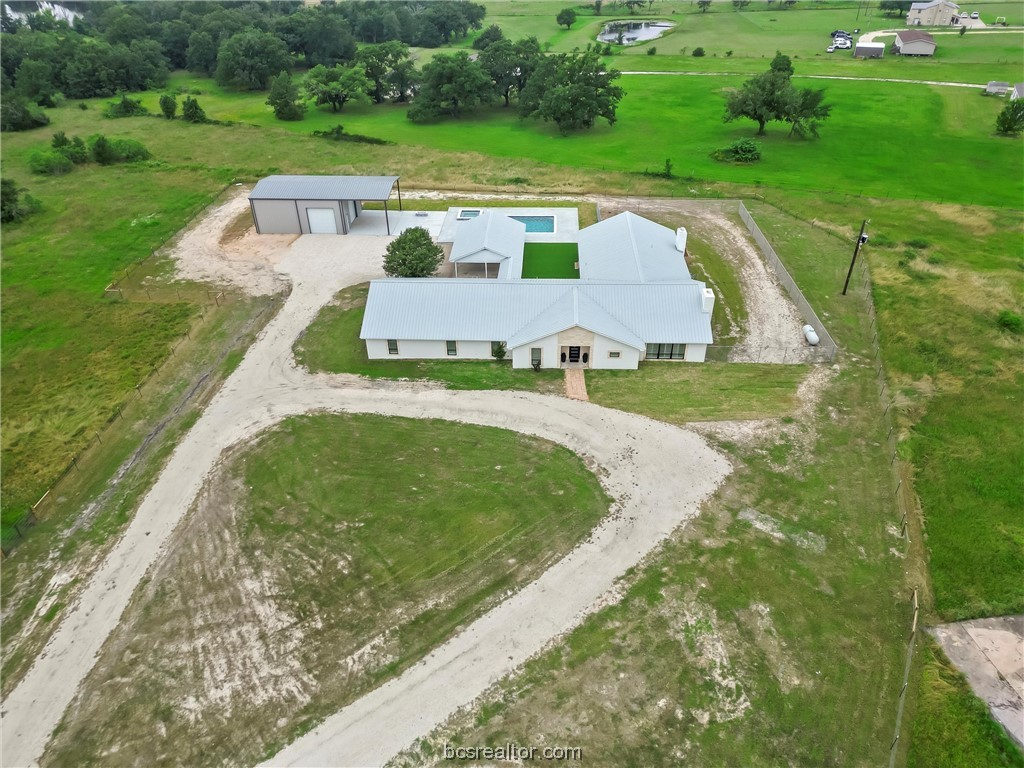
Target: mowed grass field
<point x="680" y="118"/>
<point x="366" y="541"/>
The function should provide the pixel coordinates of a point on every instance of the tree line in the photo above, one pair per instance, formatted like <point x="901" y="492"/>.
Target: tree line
<point x="119" y="46"/>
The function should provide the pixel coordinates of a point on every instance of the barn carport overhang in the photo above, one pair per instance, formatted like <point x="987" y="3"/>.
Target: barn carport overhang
<point x="275" y="200"/>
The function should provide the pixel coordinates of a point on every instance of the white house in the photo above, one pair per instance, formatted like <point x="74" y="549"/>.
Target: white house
<point x="634" y="301"/>
<point x="937" y="13"/>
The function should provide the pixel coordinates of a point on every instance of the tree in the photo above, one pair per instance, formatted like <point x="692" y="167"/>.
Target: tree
<point x="739" y="5"/>
<point x="806" y="108"/>
<point x="566" y="17"/>
<point x="597" y="7"/>
<point x="894" y="7"/>
<point x="572" y="90"/>
<point x="11" y="208"/>
<point x="632" y="5"/>
<point x="1010" y="122"/>
<point x="34" y="80"/>
<point x="201" y="55"/>
<point x="169" y="106"/>
<point x="249" y="59"/>
<point x="490" y="35"/>
<point x="191" y="112"/>
<point x="404" y="80"/>
<point x="412" y="254"/>
<point x="761" y="99"/>
<point x="703" y="5"/>
<point x="284" y="98"/>
<point x="782" y="63"/>
<point x="379" y="61"/>
<point x="336" y="85"/>
<point x="451" y="84"/>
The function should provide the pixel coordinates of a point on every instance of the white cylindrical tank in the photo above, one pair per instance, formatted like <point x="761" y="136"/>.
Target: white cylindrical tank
<point x="811" y="335"/>
<point x="681" y="239"/>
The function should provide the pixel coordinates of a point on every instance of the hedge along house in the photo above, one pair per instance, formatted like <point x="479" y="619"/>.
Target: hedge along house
<point x="634" y="301"/>
<point x="318" y="205"/>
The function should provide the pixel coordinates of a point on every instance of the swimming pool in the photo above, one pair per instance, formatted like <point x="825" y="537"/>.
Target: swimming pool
<point x="537" y="223"/>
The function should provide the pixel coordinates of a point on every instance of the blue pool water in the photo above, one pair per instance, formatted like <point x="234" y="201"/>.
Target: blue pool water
<point x="537" y="223"/>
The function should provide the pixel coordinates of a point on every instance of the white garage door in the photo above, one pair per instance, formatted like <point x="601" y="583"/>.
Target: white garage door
<point x="321" y="221"/>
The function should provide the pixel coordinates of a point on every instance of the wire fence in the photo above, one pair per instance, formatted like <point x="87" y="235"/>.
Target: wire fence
<point x="899" y="483"/>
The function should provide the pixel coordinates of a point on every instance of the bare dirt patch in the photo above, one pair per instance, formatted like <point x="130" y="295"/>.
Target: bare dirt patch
<point x="978" y="221"/>
<point x="223" y="248"/>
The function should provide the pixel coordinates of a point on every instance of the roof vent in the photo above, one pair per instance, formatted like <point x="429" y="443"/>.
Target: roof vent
<point x="681" y="239"/>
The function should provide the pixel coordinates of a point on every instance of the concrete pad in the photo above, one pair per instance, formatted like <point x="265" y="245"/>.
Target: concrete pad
<point x="374" y="223"/>
<point x="990" y="653"/>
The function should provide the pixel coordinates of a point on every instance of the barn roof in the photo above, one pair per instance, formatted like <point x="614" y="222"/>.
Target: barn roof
<point x="914" y="35"/>
<point x="324" y="188"/>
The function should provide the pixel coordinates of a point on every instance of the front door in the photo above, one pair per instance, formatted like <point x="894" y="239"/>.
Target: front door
<point x="321" y="221"/>
<point x="574" y="354"/>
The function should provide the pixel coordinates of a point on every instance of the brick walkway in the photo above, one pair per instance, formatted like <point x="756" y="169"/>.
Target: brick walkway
<point x="575" y="384"/>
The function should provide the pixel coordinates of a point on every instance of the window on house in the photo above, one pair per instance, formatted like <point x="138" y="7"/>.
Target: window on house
<point x="453" y="348"/>
<point x="392" y="346"/>
<point x="535" y="356"/>
<point x="614" y="354"/>
<point x="666" y="351"/>
<point x="495" y="347"/>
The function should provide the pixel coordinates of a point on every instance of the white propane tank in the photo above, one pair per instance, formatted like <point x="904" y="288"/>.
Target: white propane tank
<point x="810" y="335"/>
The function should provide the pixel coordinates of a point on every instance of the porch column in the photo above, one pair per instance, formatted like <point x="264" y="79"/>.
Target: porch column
<point x="386" y="220"/>
<point x="399" y="183"/>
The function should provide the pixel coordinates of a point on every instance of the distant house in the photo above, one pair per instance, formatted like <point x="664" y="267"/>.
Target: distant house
<point x="635" y="300"/>
<point x="1017" y="92"/>
<point x="869" y="50"/>
<point x="913" y="42"/>
<point x="937" y="13"/>
<point x="996" y="88"/>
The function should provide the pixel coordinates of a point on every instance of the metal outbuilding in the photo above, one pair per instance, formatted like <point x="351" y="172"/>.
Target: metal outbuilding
<point x="317" y="205"/>
<point x="869" y="51"/>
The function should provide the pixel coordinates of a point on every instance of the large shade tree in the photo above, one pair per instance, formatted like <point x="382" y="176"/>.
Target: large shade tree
<point x="451" y="84"/>
<point x="249" y="59"/>
<point x="572" y="90"/>
<point x="337" y="85"/>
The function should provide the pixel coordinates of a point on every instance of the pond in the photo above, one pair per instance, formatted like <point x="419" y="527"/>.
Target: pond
<point x="628" y="31"/>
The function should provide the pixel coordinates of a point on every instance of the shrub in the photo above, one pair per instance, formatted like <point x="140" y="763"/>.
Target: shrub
<point x="109" y="151"/>
<point x="412" y="254"/>
<point x="49" y="162"/>
<point x="18" y="114"/>
<point x="698" y="52"/>
<point x="337" y="133"/>
<point x="1010" y="121"/>
<point x="742" y="151"/>
<point x="191" y="111"/>
<point x="499" y="350"/>
<point x="728" y="54"/>
<point x="169" y="106"/>
<point x="1010" y="321"/>
<point x="125" y="108"/>
<point x="14" y="206"/>
<point x="652" y="50"/>
<point x="83" y="106"/>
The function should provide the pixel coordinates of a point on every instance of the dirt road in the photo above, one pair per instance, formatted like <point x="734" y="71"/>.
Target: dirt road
<point x="658" y="474"/>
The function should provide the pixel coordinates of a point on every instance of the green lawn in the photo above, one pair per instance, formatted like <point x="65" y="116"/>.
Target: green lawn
<point x="551" y="260"/>
<point x="369" y="529"/>
<point x="855" y="153"/>
<point x="952" y="727"/>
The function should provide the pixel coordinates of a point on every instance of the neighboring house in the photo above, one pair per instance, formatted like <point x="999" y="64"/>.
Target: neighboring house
<point x="913" y="42"/>
<point x="996" y="88"/>
<point x="1017" y="92"/>
<point x="317" y="205"/>
<point x="634" y="300"/>
<point x="937" y="13"/>
<point x="869" y="51"/>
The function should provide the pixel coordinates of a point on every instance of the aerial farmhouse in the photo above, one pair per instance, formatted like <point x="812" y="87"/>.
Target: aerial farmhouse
<point x="634" y="300"/>
<point x="937" y="13"/>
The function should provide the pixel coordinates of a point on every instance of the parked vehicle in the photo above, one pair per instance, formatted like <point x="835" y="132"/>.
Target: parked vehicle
<point x="840" y="33"/>
<point x="975" y="15"/>
<point x="843" y="42"/>
<point x="830" y="49"/>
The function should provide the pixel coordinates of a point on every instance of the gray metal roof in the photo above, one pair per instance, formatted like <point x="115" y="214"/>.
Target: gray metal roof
<point x="323" y="188"/>
<point x="630" y="248"/>
<point x="931" y="4"/>
<point x="521" y="311"/>
<point x="490" y="237"/>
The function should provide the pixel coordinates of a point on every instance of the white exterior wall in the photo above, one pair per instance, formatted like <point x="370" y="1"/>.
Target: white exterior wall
<point x="549" y="354"/>
<point x="628" y="359"/>
<point x="418" y="349"/>
<point x="694" y="353"/>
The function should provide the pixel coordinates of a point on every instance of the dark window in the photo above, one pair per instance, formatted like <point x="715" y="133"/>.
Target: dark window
<point x="614" y="354"/>
<point x="392" y="346"/>
<point x="666" y="351"/>
<point x="535" y="356"/>
<point x="453" y="348"/>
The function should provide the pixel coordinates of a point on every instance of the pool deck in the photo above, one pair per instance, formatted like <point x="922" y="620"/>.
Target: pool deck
<point x="567" y="223"/>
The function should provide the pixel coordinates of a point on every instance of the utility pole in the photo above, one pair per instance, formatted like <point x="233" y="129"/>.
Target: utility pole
<point x="861" y="239"/>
